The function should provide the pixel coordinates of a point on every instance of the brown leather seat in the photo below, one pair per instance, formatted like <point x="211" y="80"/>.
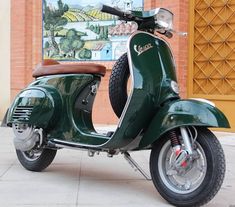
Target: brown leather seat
<point x="52" y="67"/>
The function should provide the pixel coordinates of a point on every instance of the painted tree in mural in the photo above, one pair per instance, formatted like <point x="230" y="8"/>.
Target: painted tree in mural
<point x="54" y="21"/>
<point x="71" y="43"/>
<point x="84" y="54"/>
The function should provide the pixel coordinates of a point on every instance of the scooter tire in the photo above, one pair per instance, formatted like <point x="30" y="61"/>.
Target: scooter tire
<point x="39" y="163"/>
<point x="209" y="185"/>
<point x="118" y="84"/>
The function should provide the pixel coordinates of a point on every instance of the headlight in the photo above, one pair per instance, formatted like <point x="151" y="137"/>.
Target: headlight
<point x="164" y="18"/>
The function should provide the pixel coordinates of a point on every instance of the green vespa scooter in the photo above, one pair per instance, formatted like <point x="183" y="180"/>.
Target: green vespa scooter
<point x="187" y="163"/>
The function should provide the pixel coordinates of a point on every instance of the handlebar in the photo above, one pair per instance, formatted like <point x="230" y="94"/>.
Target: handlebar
<point x="111" y="10"/>
<point x="126" y="16"/>
<point x="147" y="24"/>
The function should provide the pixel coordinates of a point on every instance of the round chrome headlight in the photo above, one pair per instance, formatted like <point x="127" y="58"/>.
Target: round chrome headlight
<point x="164" y="18"/>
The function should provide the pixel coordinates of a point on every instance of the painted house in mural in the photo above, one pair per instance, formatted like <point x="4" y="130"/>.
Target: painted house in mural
<point x="118" y="37"/>
<point x="102" y="51"/>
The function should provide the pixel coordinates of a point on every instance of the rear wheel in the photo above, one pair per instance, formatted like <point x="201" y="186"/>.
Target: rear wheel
<point x="195" y="184"/>
<point x="30" y="149"/>
<point x="36" y="159"/>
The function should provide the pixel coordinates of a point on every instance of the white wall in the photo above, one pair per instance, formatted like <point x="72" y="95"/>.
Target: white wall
<point x="4" y="56"/>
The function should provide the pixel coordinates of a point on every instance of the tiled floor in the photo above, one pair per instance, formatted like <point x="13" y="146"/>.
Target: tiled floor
<point x="74" y="179"/>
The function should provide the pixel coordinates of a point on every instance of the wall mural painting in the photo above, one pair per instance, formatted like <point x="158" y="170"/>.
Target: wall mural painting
<point x="75" y="30"/>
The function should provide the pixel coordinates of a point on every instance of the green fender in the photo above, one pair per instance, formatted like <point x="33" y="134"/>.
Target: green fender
<point x="183" y="113"/>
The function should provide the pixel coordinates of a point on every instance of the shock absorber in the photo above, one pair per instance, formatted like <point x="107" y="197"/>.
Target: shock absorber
<point x="175" y="143"/>
<point x="181" y="155"/>
<point x="174" y="138"/>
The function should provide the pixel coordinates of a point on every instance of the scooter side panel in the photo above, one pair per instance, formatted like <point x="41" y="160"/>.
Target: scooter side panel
<point x="183" y="113"/>
<point x="62" y="106"/>
<point x="74" y="123"/>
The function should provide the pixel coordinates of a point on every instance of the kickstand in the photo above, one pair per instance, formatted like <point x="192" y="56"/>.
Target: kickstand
<point x="134" y="164"/>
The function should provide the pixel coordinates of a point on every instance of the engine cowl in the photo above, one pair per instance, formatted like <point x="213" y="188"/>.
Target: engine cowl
<point x="34" y="106"/>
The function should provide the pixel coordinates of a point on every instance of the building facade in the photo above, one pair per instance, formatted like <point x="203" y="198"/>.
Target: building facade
<point x="211" y="66"/>
<point x="4" y="56"/>
<point x="26" y="49"/>
<point x="204" y="59"/>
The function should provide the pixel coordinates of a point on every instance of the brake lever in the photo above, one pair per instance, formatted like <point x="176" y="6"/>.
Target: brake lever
<point x="167" y="33"/>
<point x="183" y="34"/>
<point x="170" y="33"/>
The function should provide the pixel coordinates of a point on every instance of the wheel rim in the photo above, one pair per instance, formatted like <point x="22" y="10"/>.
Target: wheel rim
<point x="188" y="181"/>
<point x="32" y="155"/>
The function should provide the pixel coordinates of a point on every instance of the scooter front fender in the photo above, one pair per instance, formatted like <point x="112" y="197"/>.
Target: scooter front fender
<point x="183" y="113"/>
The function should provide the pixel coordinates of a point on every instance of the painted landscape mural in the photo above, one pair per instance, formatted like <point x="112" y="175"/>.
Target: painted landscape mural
<point x="75" y="30"/>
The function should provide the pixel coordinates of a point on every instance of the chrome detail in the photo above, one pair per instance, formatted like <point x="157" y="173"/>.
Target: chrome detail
<point x="22" y="113"/>
<point x="186" y="140"/>
<point x="26" y="137"/>
<point x="182" y="179"/>
<point x="141" y="49"/>
<point x="72" y="145"/>
<point x="181" y="158"/>
<point x="91" y="153"/>
<point x="204" y="100"/>
<point x="94" y="88"/>
<point x="131" y="82"/>
<point x="175" y="87"/>
<point x="109" y="155"/>
<point x="39" y="131"/>
<point x="191" y="135"/>
<point x="164" y="19"/>
<point x="183" y="34"/>
<point x="33" y="154"/>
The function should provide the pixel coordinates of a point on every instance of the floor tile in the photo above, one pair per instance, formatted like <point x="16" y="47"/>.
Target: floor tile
<point x="38" y="192"/>
<point x="119" y="193"/>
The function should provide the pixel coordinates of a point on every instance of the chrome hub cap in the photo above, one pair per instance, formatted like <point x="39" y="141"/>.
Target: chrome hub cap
<point x="32" y="155"/>
<point x="26" y="137"/>
<point x="183" y="179"/>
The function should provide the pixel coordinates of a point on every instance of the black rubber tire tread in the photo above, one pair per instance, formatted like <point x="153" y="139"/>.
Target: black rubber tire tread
<point x="39" y="164"/>
<point x="118" y="84"/>
<point x="212" y="181"/>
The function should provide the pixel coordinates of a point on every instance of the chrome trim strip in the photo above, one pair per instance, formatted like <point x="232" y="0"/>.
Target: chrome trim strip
<point x="132" y="80"/>
<point x="70" y="144"/>
<point x="204" y="101"/>
<point x="186" y="139"/>
<point x="71" y="147"/>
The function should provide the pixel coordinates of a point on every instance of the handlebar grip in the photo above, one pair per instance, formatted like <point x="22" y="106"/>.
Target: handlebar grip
<point x="111" y="10"/>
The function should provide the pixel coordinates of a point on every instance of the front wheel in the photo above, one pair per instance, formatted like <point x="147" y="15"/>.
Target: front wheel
<point x="118" y="84"/>
<point x="195" y="184"/>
